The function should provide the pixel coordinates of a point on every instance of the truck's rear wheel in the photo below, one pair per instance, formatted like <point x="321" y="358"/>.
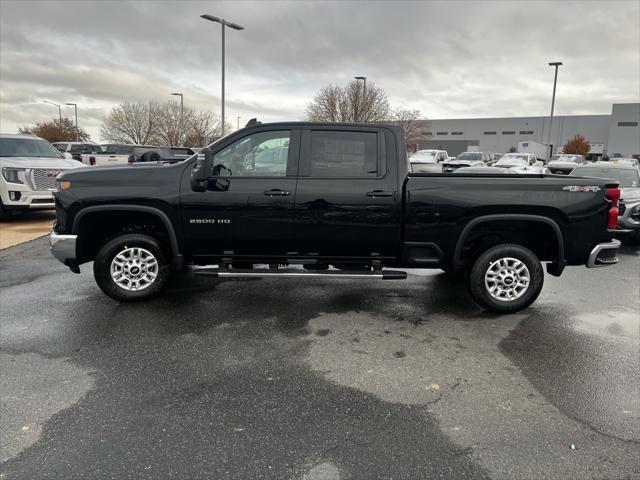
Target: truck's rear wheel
<point x="131" y="267"/>
<point x="506" y="278"/>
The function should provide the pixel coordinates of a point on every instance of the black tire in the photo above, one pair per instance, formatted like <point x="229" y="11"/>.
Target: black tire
<point x="120" y="245"/>
<point x="481" y="292"/>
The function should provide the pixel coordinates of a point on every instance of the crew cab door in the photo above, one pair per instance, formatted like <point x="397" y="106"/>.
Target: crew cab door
<point x="347" y="200"/>
<point x="247" y="208"/>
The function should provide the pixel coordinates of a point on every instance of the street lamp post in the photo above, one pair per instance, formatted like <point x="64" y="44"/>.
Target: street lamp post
<point x="59" y="111"/>
<point x="75" y="107"/>
<point x="364" y="88"/>
<point x="553" y="101"/>
<point x="235" y="26"/>
<point x="181" y="114"/>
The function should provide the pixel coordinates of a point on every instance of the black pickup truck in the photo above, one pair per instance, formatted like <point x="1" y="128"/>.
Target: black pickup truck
<point x="310" y="199"/>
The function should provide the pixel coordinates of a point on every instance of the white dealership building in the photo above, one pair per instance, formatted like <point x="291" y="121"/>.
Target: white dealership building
<point x="615" y="133"/>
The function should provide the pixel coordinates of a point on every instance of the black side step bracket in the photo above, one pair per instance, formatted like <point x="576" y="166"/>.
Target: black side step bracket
<point x="209" y="271"/>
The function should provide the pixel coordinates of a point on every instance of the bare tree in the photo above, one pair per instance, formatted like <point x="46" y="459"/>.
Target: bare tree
<point x="349" y="104"/>
<point x="169" y="129"/>
<point x="410" y="121"/>
<point x="132" y="123"/>
<point x="325" y="106"/>
<point x="203" y="128"/>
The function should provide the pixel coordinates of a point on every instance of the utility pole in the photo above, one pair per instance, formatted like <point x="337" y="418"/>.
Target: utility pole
<point x="553" y="101"/>
<point x="181" y="116"/>
<point x="364" y="93"/>
<point x="235" y="26"/>
<point x="75" y="107"/>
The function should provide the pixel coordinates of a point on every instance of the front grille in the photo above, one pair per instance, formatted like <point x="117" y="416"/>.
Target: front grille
<point x="48" y="201"/>
<point x="621" y="208"/>
<point x="44" y="179"/>
<point x="560" y="171"/>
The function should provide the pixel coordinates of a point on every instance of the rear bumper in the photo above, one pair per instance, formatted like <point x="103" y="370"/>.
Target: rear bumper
<point x="63" y="247"/>
<point x="604" y="254"/>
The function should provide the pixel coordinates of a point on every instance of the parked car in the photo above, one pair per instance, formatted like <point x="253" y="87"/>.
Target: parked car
<point x="429" y="156"/>
<point x="564" y="164"/>
<point x="540" y="150"/>
<point x="160" y="154"/>
<point x="466" y="159"/>
<point x="343" y="199"/>
<point x="29" y="167"/>
<point x="486" y="170"/>
<point x="428" y="160"/>
<point x="628" y="176"/>
<point x="522" y="163"/>
<point x="110" y="154"/>
<point x="76" y="149"/>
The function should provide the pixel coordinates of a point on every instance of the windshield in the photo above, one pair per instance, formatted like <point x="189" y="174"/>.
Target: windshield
<point x="566" y="158"/>
<point x="628" y="178"/>
<point x="512" y="160"/>
<point x="469" y="156"/>
<point x="27" y="147"/>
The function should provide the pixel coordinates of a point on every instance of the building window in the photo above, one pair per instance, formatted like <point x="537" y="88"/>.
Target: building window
<point x="526" y="132"/>
<point x="442" y="133"/>
<point x="627" y="124"/>
<point x="490" y="133"/>
<point x="509" y="133"/>
<point x="427" y="134"/>
<point x="457" y="133"/>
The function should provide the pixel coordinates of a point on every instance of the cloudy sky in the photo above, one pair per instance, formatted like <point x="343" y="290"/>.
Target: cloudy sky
<point x="447" y="59"/>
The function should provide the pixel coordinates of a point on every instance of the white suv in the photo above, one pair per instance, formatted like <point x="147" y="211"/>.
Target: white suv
<point x="29" y="166"/>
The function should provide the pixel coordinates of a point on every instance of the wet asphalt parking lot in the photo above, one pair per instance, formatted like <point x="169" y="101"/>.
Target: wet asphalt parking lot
<point x="321" y="379"/>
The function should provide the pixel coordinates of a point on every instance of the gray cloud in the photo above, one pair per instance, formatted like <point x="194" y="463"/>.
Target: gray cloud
<point x="447" y="59"/>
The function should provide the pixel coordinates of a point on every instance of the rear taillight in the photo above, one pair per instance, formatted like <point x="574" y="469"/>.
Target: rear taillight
<point x="92" y="160"/>
<point x="131" y="158"/>
<point x="613" y="194"/>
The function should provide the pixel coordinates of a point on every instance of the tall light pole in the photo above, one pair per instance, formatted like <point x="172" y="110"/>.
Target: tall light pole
<point x="181" y="113"/>
<point x="553" y="101"/>
<point x="75" y="107"/>
<point x="235" y="26"/>
<point x="364" y="84"/>
<point x="364" y="91"/>
<point x="59" y="111"/>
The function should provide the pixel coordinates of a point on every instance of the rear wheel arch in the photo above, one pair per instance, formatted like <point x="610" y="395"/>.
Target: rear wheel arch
<point x="558" y="257"/>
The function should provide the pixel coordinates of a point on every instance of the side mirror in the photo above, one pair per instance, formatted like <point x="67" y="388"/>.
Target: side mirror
<point x="202" y="170"/>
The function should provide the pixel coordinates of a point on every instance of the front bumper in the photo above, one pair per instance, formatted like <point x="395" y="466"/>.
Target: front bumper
<point x="604" y="254"/>
<point x="626" y="222"/>
<point x="21" y="197"/>
<point x="63" y="247"/>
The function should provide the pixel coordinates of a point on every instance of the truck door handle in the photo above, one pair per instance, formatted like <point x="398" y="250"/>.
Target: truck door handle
<point x="276" y="192"/>
<point x="379" y="193"/>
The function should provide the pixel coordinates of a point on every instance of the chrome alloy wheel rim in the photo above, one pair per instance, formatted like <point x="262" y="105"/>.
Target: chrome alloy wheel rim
<point x="134" y="269"/>
<point x="507" y="279"/>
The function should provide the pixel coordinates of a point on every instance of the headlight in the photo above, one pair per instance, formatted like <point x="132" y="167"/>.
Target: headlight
<point x="635" y="213"/>
<point x="63" y="184"/>
<point x="13" y="175"/>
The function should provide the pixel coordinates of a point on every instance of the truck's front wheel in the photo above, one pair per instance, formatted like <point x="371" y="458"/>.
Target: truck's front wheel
<point x="131" y="267"/>
<point x="506" y="278"/>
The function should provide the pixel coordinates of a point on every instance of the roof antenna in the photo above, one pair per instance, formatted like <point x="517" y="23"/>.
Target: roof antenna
<point x="252" y="122"/>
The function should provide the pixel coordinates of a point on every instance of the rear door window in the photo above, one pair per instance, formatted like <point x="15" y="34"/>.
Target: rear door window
<point x="344" y="154"/>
